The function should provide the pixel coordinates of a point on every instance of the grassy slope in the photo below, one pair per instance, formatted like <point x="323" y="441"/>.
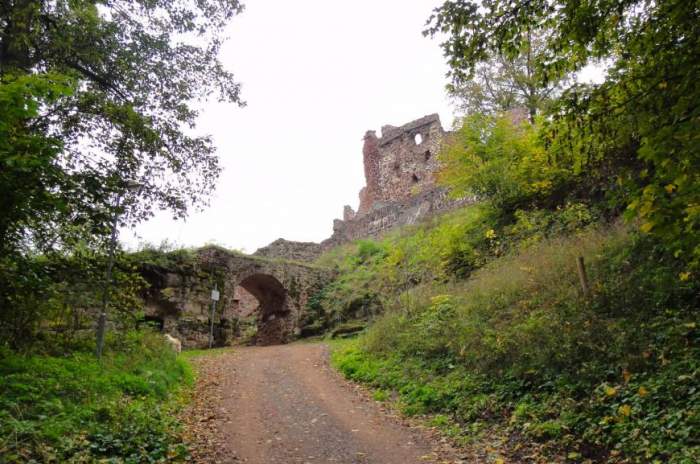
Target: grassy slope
<point x="56" y="408"/>
<point x="516" y="350"/>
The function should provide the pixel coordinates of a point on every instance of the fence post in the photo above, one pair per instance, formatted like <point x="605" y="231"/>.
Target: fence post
<point x="583" y="277"/>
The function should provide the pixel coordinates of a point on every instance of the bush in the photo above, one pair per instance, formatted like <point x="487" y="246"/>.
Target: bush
<point x="502" y="161"/>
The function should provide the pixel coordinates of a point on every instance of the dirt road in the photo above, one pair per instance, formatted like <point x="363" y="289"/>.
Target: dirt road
<point x="284" y="404"/>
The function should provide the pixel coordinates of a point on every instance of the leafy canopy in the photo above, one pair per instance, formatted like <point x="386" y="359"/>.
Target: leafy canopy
<point x="504" y="84"/>
<point x="136" y="69"/>
<point x="501" y="160"/>
<point x="639" y="128"/>
<point x="98" y="105"/>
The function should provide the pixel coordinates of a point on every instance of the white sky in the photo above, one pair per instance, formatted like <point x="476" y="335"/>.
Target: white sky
<point x="316" y="75"/>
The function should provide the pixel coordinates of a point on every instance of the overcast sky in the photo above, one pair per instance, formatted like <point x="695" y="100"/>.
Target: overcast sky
<point x="316" y="75"/>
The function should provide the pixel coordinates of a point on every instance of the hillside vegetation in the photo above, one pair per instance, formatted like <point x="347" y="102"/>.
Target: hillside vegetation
<point x="518" y="347"/>
<point x="479" y="317"/>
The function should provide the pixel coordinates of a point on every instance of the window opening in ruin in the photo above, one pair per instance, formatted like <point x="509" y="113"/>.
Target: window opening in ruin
<point x="415" y="178"/>
<point x="418" y="139"/>
<point x="427" y="155"/>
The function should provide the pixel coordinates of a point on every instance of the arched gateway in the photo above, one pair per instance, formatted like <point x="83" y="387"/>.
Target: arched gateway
<point x="275" y="291"/>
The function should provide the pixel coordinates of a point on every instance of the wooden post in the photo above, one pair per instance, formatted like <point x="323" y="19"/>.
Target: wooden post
<point x="583" y="277"/>
<point x="214" y="299"/>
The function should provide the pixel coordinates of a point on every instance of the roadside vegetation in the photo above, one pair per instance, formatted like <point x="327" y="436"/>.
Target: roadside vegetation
<point x="517" y="351"/>
<point x="60" y="404"/>
<point x="479" y="318"/>
<point x="91" y="143"/>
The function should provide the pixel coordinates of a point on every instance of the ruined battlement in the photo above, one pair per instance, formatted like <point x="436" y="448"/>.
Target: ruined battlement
<point x="401" y="163"/>
<point x="290" y="250"/>
<point x="421" y="125"/>
<point x="385" y="217"/>
<point x="400" y="188"/>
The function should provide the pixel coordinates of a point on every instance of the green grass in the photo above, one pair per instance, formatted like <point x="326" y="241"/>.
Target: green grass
<point x="213" y="352"/>
<point x="75" y="409"/>
<point x="517" y="348"/>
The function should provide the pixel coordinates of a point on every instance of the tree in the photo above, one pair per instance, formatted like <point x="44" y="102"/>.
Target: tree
<point x="97" y="95"/>
<point x="136" y="67"/>
<point x="501" y="84"/>
<point x="501" y="161"/>
<point x="638" y="129"/>
<point x="29" y="179"/>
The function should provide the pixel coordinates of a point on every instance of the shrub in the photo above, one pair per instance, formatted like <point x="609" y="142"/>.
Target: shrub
<point x="502" y="161"/>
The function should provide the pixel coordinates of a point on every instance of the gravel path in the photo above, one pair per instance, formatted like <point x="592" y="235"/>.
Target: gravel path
<point x="284" y="404"/>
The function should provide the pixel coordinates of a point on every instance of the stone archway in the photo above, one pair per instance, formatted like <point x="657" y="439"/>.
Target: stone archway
<point x="274" y="312"/>
<point x="276" y="293"/>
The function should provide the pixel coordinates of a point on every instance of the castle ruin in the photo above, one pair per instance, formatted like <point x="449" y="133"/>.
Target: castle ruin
<point x="275" y="283"/>
<point x="401" y="188"/>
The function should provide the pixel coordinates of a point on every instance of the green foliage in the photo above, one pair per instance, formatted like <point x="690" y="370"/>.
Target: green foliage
<point x="29" y="174"/>
<point x="76" y="409"/>
<point x="29" y="180"/>
<point x="503" y="84"/>
<point x="518" y="346"/>
<point x="380" y="395"/>
<point x="354" y="293"/>
<point x="54" y="298"/>
<point x="137" y="68"/>
<point x="497" y="160"/>
<point x="165" y="255"/>
<point x="368" y="250"/>
<point x="97" y="107"/>
<point x="633" y="137"/>
<point x="374" y="276"/>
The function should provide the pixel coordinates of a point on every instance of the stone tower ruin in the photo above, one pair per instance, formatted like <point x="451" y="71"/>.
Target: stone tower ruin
<point x="400" y="188"/>
<point x="401" y="163"/>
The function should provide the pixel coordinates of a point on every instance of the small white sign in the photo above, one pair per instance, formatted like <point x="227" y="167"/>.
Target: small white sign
<point x="215" y="295"/>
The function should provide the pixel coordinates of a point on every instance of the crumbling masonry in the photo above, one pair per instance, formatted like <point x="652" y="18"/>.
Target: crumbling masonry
<point x="276" y="282"/>
<point x="400" y="168"/>
<point x="277" y="291"/>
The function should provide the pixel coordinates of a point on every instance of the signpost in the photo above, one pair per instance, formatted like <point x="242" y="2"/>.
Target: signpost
<point x="214" y="298"/>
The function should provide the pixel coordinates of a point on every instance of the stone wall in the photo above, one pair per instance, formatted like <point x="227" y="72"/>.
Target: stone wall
<point x="245" y="302"/>
<point x="384" y="218"/>
<point x="289" y="250"/>
<point x="278" y="292"/>
<point x="401" y="163"/>
<point x="179" y="300"/>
